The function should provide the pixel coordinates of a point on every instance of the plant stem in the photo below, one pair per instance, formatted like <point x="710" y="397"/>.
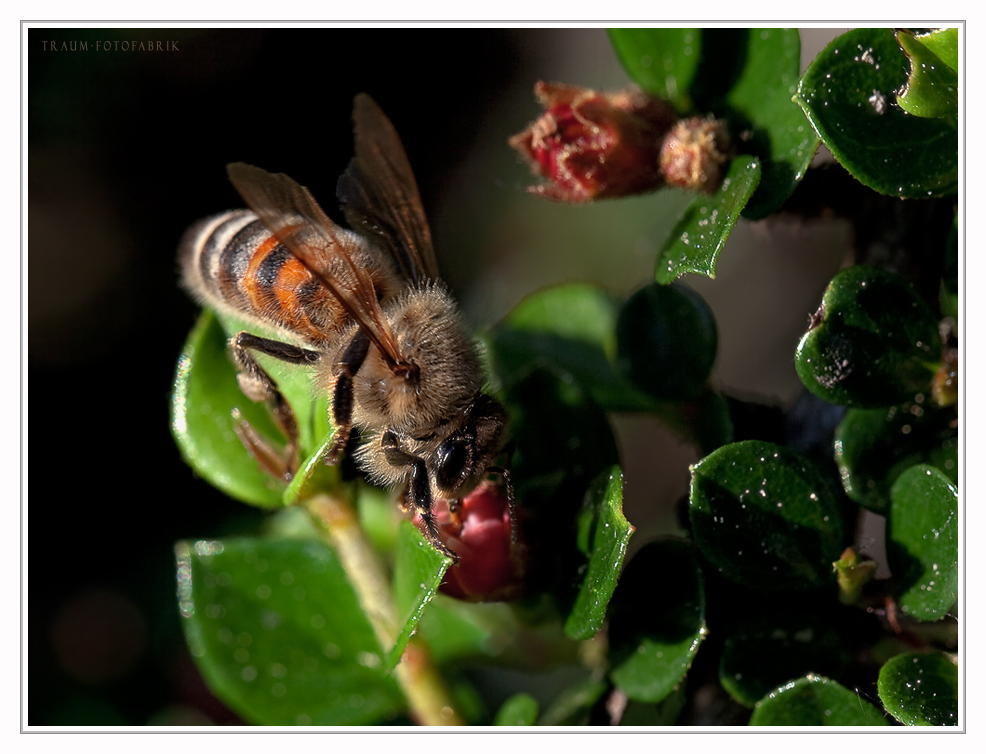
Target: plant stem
<point x="422" y="685"/>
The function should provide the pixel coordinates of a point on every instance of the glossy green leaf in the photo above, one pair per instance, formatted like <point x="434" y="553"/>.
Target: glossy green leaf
<point x="873" y="447"/>
<point x="762" y="652"/>
<point x="205" y="392"/>
<point x="920" y="689"/>
<point x="663" y="62"/>
<point x="666" y="341"/>
<point x="814" y="701"/>
<point x="873" y="342"/>
<point x="944" y="43"/>
<point x="749" y="77"/>
<point x="418" y="571"/>
<point x="923" y="542"/>
<point x="932" y="89"/>
<point x="764" y="516"/>
<point x="657" y="620"/>
<point x="279" y="635"/>
<point x="698" y="237"/>
<point x="520" y="709"/>
<point x="603" y="534"/>
<point x="849" y="95"/>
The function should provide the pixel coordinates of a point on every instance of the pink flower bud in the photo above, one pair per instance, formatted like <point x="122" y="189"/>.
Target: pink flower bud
<point x="491" y="564"/>
<point x="593" y="145"/>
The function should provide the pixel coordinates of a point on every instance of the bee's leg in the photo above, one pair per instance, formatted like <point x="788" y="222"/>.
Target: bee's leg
<point x="342" y="396"/>
<point x="511" y="501"/>
<point x="270" y="459"/>
<point x="419" y="490"/>
<point x="257" y="385"/>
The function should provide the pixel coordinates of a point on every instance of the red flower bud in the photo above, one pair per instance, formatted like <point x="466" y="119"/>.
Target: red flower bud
<point x="593" y="145"/>
<point x="693" y="154"/>
<point x="491" y="564"/>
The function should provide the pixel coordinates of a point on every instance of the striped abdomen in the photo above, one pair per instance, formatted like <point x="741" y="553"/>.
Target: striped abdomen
<point x="233" y="263"/>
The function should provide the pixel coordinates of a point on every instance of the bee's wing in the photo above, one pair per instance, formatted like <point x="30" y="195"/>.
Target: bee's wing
<point x="380" y="196"/>
<point x="291" y="213"/>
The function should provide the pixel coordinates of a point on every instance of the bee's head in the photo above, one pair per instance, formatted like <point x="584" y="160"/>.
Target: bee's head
<point x="461" y="459"/>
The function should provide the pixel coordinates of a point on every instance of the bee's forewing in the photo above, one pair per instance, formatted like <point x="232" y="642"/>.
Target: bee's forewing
<point x="380" y="196"/>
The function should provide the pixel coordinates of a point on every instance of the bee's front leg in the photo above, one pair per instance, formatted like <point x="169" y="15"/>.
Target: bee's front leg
<point x="418" y="490"/>
<point x="258" y="386"/>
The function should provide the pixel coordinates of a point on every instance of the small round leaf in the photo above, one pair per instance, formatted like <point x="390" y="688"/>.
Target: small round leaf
<point x="764" y="516"/>
<point x="873" y="342"/>
<point x="874" y="446"/>
<point x="815" y="700"/>
<point x="922" y="542"/>
<point x="920" y="689"/>
<point x="666" y="340"/>
<point x="849" y="94"/>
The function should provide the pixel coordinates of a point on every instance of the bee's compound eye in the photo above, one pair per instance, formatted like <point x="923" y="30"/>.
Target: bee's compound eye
<point x="453" y="456"/>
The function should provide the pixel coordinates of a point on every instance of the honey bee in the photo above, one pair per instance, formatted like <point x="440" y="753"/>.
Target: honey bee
<point x="366" y="310"/>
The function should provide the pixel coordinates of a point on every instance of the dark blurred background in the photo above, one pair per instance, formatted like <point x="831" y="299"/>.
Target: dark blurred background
<point x="126" y="148"/>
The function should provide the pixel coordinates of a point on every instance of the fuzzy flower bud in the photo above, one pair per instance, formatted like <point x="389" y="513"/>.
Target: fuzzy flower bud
<point x="594" y="145"/>
<point x="694" y="152"/>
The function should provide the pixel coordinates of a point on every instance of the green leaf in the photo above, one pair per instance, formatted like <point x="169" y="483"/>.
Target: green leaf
<point x="698" y="237"/>
<point x="874" y="446"/>
<point x="603" y="533"/>
<point x="762" y="652"/>
<point x="922" y="542"/>
<point x="873" y="342"/>
<point x="418" y="571"/>
<point x="520" y="709"/>
<point x="657" y="620"/>
<point x="920" y="689"/>
<point x="944" y="44"/>
<point x="205" y="392"/>
<point x="815" y="700"/>
<point x="666" y="341"/>
<point x="932" y="89"/>
<point x="764" y="516"/>
<point x="663" y="62"/>
<point x="749" y="77"/>
<point x="849" y="95"/>
<point x="279" y="635"/>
